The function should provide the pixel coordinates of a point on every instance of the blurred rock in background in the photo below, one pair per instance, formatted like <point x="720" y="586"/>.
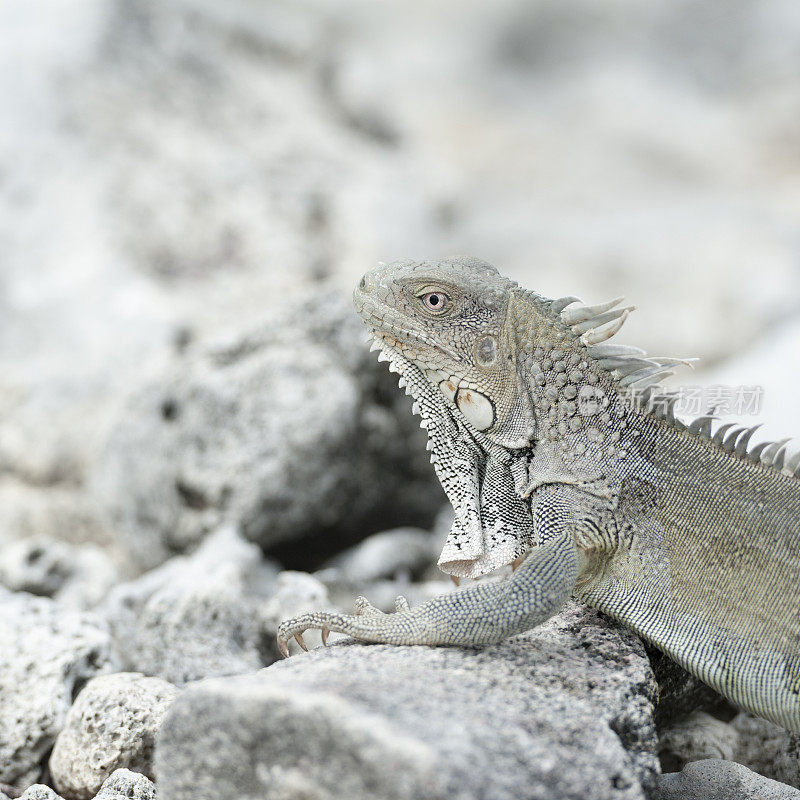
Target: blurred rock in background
<point x="293" y="432"/>
<point x="188" y="193"/>
<point x="172" y="168"/>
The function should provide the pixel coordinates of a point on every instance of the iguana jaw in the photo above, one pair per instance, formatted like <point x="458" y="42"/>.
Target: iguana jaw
<point x="402" y="347"/>
<point x="460" y="455"/>
<point x="467" y="355"/>
<point x="397" y="334"/>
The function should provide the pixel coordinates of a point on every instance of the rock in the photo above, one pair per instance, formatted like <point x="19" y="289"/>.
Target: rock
<point x="275" y="433"/>
<point x="39" y="792"/>
<point x="75" y="575"/>
<point x="126" y="785"/>
<point x="403" y="551"/>
<point x="112" y="724"/>
<point x="696" y="738"/>
<point x="714" y="779"/>
<point x="564" y="711"/>
<point x="680" y="693"/>
<point x="768" y="749"/>
<point x="47" y="653"/>
<point x="52" y="512"/>
<point x="296" y="593"/>
<point x="194" y="616"/>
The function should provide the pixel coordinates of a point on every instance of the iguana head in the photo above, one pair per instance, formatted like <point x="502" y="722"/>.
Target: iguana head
<point x="450" y="319"/>
<point x="445" y="327"/>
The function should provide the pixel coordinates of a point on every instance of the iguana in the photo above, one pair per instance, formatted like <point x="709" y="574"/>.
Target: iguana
<point x="552" y="444"/>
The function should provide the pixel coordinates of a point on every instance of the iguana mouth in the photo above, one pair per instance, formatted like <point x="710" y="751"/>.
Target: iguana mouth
<point x="394" y="333"/>
<point x="412" y="377"/>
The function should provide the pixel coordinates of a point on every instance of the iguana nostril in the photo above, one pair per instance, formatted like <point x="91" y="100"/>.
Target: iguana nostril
<point x="363" y="284"/>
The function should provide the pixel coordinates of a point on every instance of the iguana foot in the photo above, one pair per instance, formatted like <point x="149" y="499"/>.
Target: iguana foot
<point x="479" y="615"/>
<point x="339" y="623"/>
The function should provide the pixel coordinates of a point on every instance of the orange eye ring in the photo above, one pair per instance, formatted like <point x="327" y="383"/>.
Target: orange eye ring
<point x="436" y="302"/>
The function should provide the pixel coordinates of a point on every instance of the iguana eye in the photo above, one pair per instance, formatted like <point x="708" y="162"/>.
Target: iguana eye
<point x="435" y="301"/>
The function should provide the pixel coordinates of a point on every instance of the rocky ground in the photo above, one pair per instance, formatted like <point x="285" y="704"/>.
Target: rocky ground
<point x="195" y="443"/>
<point x="148" y="654"/>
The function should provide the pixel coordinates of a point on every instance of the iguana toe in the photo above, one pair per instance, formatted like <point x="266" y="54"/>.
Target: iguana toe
<point x="363" y="608"/>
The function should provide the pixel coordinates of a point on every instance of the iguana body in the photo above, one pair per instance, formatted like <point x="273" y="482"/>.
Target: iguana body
<point x="688" y="538"/>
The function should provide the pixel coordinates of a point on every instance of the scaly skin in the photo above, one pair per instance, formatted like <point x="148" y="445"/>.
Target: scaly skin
<point x="689" y="539"/>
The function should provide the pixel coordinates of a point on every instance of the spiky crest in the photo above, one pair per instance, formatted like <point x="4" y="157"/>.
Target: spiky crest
<point x="637" y="374"/>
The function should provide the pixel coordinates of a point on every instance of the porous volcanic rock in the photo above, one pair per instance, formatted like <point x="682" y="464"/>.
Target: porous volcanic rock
<point x="112" y="724"/>
<point x="565" y="711"/>
<point x="48" y="652"/>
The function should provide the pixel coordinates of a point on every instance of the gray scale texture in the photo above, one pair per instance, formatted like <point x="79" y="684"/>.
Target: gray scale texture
<point x="75" y="575"/>
<point x="700" y="736"/>
<point x="768" y="749"/>
<point x="124" y="784"/>
<point x="284" y="431"/>
<point x="39" y="792"/>
<point x="721" y="780"/>
<point x="112" y="724"/>
<point x="194" y="616"/>
<point x="562" y="712"/>
<point x="48" y="652"/>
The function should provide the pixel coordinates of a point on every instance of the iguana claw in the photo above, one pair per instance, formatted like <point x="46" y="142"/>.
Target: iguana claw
<point x="283" y="647"/>
<point x="283" y="642"/>
<point x="367" y="624"/>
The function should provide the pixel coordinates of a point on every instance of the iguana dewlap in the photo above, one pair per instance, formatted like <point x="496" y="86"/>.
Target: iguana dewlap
<point x="546" y="442"/>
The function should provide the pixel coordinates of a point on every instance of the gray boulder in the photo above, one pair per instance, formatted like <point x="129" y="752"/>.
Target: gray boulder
<point x="699" y="736"/>
<point x="47" y="653"/>
<point x="55" y="512"/>
<point x="565" y="711"/>
<point x="403" y="551"/>
<point x="126" y="785"/>
<point x="194" y="616"/>
<point x="112" y="724"/>
<point x="768" y="749"/>
<point x="39" y="792"/>
<point x="75" y="575"/>
<point x="714" y="779"/>
<point x="283" y="432"/>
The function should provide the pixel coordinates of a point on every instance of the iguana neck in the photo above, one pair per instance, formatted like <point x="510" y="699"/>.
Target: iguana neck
<point x="585" y="429"/>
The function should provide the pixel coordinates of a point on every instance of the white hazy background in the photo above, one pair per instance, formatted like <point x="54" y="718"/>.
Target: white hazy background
<point x="172" y="169"/>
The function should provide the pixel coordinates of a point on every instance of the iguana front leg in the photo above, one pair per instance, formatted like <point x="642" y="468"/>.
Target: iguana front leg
<point x="483" y="614"/>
